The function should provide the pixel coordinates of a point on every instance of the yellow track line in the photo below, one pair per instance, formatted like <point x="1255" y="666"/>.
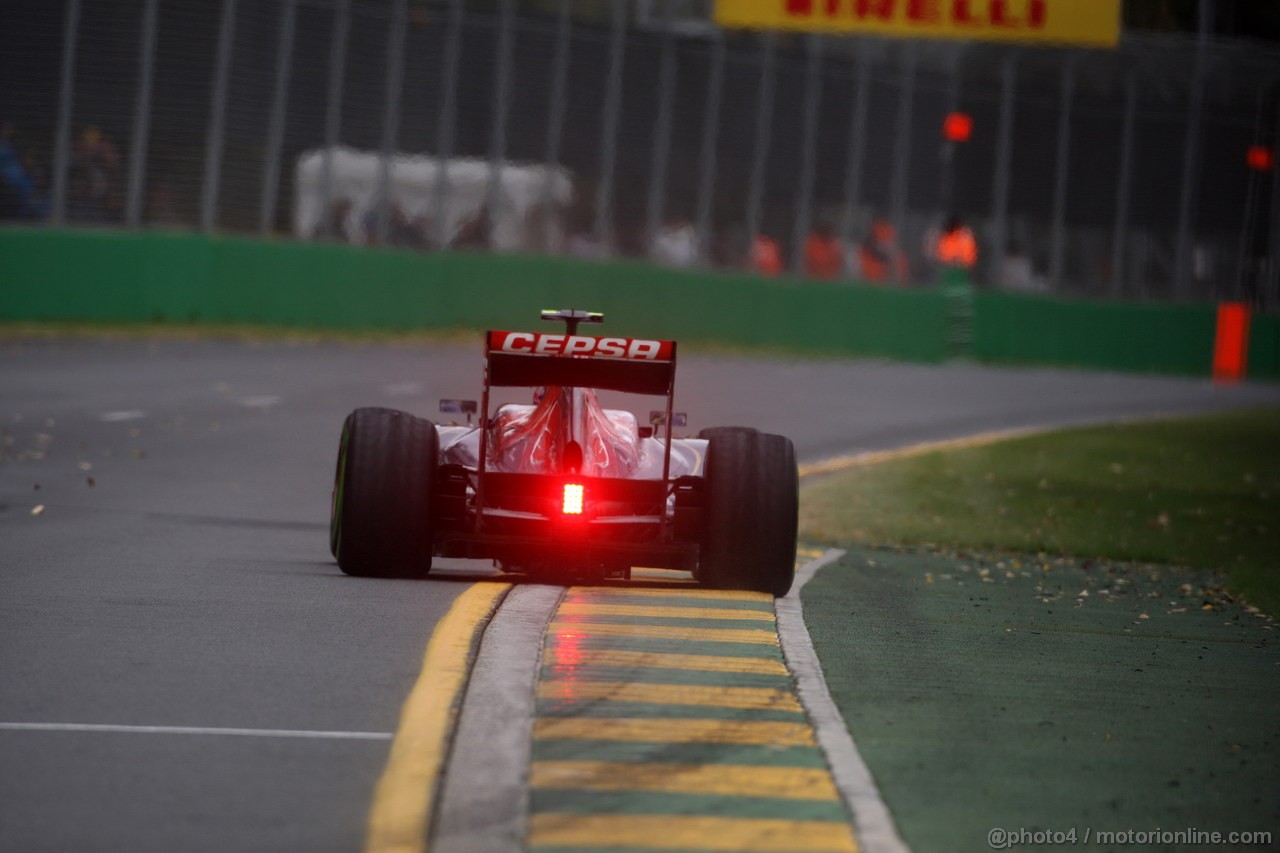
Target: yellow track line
<point x="685" y="832"/>
<point x="674" y="730"/>
<point x="728" y="780"/>
<point x="399" y="821"/>
<point x="859" y="460"/>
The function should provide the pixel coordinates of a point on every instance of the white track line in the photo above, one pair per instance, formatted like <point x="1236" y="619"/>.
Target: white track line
<point x="192" y="730"/>
<point x="876" y="832"/>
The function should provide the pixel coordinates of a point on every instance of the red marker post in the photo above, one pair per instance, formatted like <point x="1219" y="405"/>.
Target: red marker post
<point x="1231" y="343"/>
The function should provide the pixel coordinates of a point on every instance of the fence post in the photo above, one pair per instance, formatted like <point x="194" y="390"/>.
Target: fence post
<point x="445" y="126"/>
<point x="764" y="123"/>
<point x="1062" y="172"/>
<point x="662" y="127"/>
<point x="808" y="155"/>
<point x="141" y="118"/>
<point x="555" y="119"/>
<point x="1004" y="164"/>
<point x="62" y="145"/>
<point x="501" y="105"/>
<point x="391" y="114"/>
<point x="898" y="192"/>
<point x="275" y="129"/>
<point x="1121" y="234"/>
<point x="1273" y="227"/>
<point x="1251" y="204"/>
<point x="333" y="105"/>
<point x="217" y="118"/>
<point x="1191" y="162"/>
<point x="609" y="135"/>
<point x="856" y="145"/>
<point x="948" y="152"/>
<point x="710" y="135"/>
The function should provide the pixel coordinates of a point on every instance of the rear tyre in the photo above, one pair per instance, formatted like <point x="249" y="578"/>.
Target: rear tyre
<point x="381" y="521"/>
<point x="753" y="490"/>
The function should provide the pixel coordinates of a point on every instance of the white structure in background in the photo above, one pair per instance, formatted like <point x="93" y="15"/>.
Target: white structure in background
<point x="518" y="217"/>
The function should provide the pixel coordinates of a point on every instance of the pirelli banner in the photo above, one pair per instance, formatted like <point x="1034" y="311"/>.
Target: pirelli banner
<point x="1092" y="23"/>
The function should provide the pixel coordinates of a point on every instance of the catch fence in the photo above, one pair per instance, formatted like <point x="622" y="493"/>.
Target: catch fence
<point x="640" y="129"/>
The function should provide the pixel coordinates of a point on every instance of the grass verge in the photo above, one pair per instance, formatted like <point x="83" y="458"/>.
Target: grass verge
<point x="1199" y="492"/>
<point x="1057" y="695"/>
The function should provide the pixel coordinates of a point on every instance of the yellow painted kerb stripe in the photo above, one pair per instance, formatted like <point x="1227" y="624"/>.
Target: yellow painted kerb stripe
<point x="574" y="658"/>
<point x="674" y="730"/>
<point x="859" y="460"/>
<point x="579" y="593"/>
<point x="587" y="608"/>
<point x="592" y="630"/>
<point x="687" y="832"/>
<point x="747" y="698"/>
<point x="725" y="780"/>
<point x="398" y="821"/>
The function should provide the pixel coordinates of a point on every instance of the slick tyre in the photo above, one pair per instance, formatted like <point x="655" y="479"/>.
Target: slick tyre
<point x="381" y="520"/>
<point x="752" y="510"/>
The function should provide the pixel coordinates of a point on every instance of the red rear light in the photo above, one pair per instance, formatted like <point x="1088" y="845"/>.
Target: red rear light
<point x="572" y="499"/>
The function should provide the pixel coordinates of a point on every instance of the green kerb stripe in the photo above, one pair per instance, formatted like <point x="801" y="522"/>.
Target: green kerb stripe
<point x="565" y="708"/>
<point x="645" y="802"/>
<point x="670" y="753"/>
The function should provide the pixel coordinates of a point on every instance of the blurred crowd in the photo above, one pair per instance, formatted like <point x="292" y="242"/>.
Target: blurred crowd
<point x="23" y="188"/>
<point x="95" y="195"/>
<point x="877" y="257"/>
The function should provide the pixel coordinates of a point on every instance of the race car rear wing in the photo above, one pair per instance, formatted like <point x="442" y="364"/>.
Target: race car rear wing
<point x="530" y="359"/>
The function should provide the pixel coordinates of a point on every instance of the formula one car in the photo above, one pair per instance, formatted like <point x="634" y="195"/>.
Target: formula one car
<point x="564" y="487"/>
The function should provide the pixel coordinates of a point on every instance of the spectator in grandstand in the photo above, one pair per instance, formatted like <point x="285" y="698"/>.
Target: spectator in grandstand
<point x="766" y="255"/>
<point x="880" y="258"/>
<point x="823" y="254"/>
<point x="19" y="197"/>
<point x="954" y="247"/>
<point x="95" y="177"/>
<point x="675" y="244"/>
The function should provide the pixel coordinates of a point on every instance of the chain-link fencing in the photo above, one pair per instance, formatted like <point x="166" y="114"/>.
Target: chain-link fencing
<point x="611" y="129"/>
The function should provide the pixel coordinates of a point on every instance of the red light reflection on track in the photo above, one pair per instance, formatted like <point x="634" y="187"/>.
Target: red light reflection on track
<point x="565" y="654"/>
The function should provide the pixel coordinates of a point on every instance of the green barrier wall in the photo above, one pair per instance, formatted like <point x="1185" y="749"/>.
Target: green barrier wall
<point x="48" y="274"/>
<point x="1109" y="335"/>
<point x="1264" y="348"/>
<point x="140" y="276"/>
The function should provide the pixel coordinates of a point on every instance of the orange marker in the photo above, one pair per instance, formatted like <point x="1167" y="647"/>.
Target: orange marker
<point x="1231" y="343"/>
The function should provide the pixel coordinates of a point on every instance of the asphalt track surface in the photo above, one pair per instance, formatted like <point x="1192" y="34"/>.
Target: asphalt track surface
<point x="190" y="585"/>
